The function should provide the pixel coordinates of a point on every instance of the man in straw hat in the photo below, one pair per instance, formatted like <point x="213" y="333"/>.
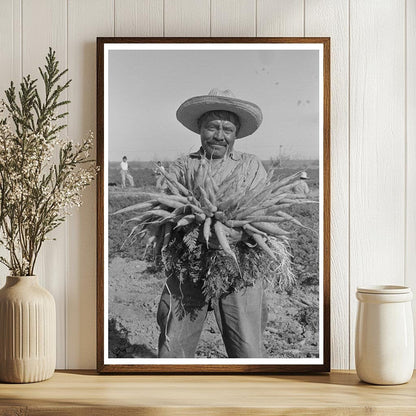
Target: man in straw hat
<point x="241" y="313"/>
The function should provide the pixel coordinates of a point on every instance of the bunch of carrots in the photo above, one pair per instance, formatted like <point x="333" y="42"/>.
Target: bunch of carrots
<point x="219" y="210"/>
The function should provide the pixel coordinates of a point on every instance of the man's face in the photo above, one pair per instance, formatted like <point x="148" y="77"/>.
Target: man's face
<point x="217" y="137"/>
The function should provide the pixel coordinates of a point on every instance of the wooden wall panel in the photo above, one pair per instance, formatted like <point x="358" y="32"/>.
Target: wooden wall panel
<point x="280" y="18"/>
<point x="411" y="150"/>
<point x="187" y="18"/>
<point x="233" y="18"/>
<point x="138" y="17"/>
<point x="86" y="21"/>
<point x="6" y="45"/>
<point x="44" y="26"/>
<point x="330" y="18"/>
<point x="10" y="43"/>
<point x="377" y="146"/>
<point x="10" y="65"/>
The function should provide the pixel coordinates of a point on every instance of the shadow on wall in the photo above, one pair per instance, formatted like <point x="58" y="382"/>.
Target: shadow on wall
<point x="120" y="347"/>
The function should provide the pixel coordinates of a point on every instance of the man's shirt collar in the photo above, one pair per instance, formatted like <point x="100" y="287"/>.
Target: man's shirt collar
<point x="234" y="155"/>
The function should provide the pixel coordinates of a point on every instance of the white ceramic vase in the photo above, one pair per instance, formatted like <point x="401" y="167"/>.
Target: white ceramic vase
<point x="384" y="352"/>
<point x="27" y="331"/>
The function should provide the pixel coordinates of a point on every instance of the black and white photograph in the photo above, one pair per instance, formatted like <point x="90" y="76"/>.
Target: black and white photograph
<point x="213" y="204"/>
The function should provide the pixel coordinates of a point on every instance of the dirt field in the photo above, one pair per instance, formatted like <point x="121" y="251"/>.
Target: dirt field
<point x="135" y="285"/>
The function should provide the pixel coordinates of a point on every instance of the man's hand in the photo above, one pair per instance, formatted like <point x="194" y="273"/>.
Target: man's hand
<point x="234" y="235"/>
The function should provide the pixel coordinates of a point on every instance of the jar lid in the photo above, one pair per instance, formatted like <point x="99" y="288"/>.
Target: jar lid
<point x="384" y="289"/>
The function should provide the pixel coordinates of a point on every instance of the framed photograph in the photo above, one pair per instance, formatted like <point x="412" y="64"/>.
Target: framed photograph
<point x="213" y="205"/>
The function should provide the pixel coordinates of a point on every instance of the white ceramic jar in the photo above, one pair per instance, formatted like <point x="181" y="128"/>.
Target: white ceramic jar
<point x="384" y="343"/>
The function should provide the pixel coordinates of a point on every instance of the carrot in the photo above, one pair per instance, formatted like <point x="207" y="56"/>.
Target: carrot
<point x="137" y="207"/>
<point x="172" y="188"/>
<point x="289" y="201"/>
<point x="308" y="201"/>
<point x="269" y="228"/>
<point x="214" y="185"/>
<point x="287" y="180"/>
<point x="270" y="174"/>
<point x="244" y="212"/>
<point x="204" y="170"/>
<point x="277" y="198"/>
<point x="179" y="186"/>
<point x="189" y="179"/>
<point x="171" y="203"/>
<point x="161" y="213"/>
<point x="198" y="180"/>
<point x="264" y="218"/>
<point x="172" y="180"/>
<point x="235" y="223"/>
<point x="296" y="196"/>
<point x="180" y="210"/>
<point x="208" y="213"/>
<point x="251" y="229"/>
<point x="298" y="201"/>
<point x="138" y="219"/>
<point x="193" y="201"/>
<point x="207" y="229"/>
<point x="186" y="220"/>
<point x="250" y="211"/>
<point x="210" y="192"/>
<point x="289" y="218"/>
<point x="206" y="201"/>
<point x="199" y="218"/>
<point x="178" y="198"/>
<point x="287" y="187"/>
<point x="155" y="196"/>
<point x="225" y="245"/>
<point x="142" y="217"/>
<point x="273" y="209"/>
<point x="195" y="209"/>
<point x="263" y="245"/>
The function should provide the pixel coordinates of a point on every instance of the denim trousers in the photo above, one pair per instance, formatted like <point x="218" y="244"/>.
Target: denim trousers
<point x="241" y="317"/>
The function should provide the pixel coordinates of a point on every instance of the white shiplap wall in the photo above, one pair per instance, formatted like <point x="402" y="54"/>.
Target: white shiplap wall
<point x="373" y="132"/>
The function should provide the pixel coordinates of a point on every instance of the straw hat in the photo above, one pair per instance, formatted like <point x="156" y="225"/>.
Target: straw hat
<point x="304" y="175"/>
<point x="249" y="114"/>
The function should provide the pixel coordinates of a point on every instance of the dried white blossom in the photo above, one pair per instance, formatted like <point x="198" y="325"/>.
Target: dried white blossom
<point x="41" y="179"/>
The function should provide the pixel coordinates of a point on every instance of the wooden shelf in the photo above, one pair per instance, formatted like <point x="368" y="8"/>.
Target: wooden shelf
<point x="86" y="393"/>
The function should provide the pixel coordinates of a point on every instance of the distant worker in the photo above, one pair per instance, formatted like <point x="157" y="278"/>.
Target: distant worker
<point x="160" y="179"/>
<point x="301" y="187"/>
<point x="124" y="170"/>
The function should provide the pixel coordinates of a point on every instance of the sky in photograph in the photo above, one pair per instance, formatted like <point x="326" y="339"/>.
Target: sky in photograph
<point x="147" y="87"/>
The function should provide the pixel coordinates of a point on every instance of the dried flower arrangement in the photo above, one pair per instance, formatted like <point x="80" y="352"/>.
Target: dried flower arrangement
<point x="41" y="174"/>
